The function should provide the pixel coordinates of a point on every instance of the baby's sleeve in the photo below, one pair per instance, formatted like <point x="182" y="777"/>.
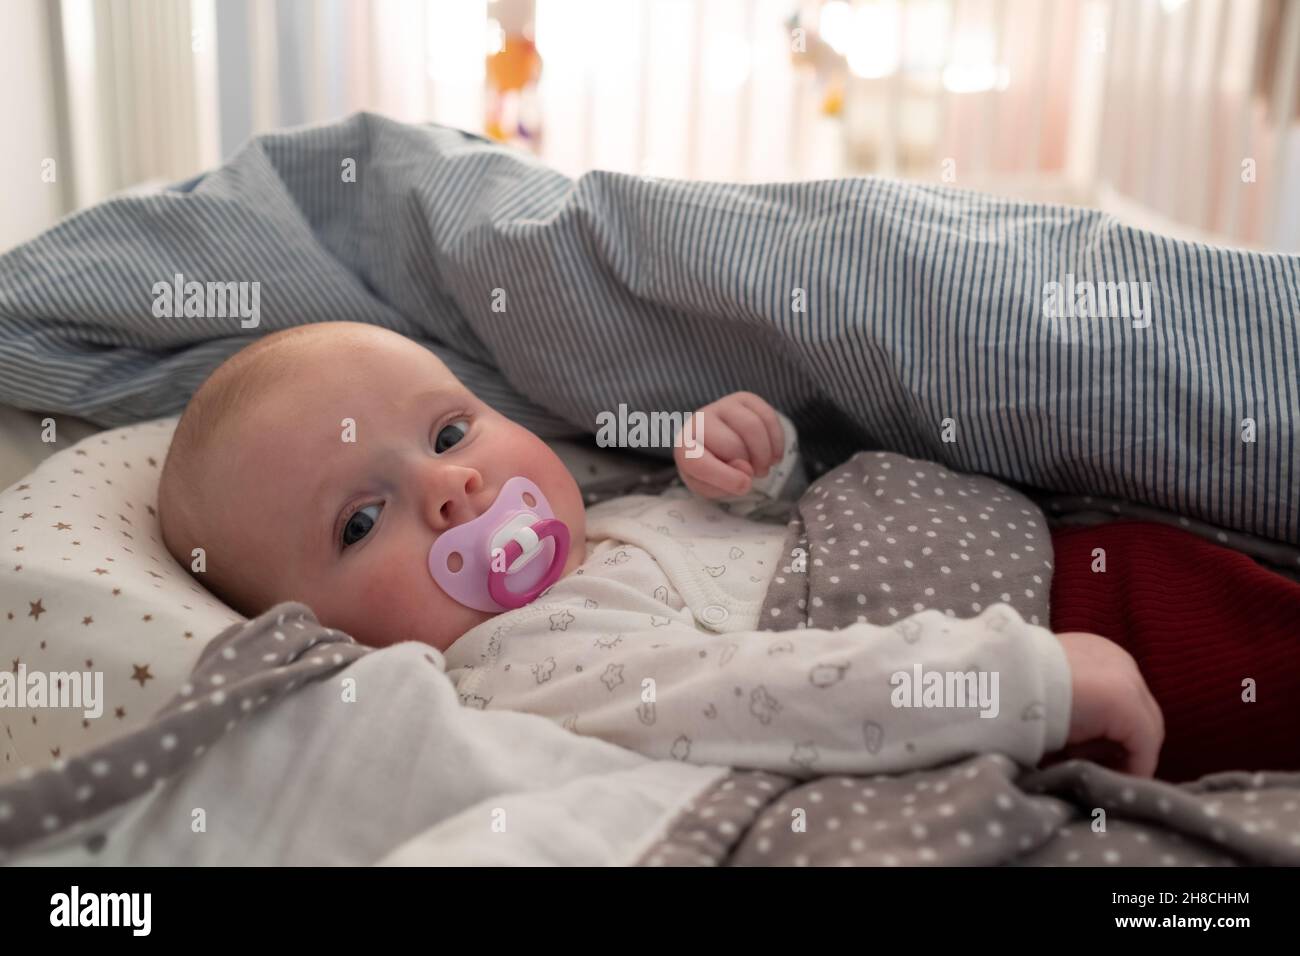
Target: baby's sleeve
<point x="863" y="699"/>
<point x="784" y="482"/>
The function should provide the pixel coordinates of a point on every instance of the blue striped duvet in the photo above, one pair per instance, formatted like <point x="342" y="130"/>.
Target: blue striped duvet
<point x="875" y="313"/>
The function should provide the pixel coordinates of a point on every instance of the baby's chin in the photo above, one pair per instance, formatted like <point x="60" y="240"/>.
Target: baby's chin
<point x="439" y="636"/>
<point x="443" y="627"/>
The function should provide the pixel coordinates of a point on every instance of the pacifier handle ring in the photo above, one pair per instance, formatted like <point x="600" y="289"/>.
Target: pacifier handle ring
<point x="545" y="528"/>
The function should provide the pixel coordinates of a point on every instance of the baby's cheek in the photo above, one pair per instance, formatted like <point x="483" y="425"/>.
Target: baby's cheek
<point x="563" y="492"/>
<point x="377" y="607"/>
<point x="409" y="606"/>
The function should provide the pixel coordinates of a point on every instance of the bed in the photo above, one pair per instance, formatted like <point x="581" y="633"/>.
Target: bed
<point x="225" y="740"/>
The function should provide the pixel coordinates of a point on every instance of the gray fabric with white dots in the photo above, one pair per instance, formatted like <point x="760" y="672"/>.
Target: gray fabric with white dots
<point x="984" y="810"/>
<point x="246" y="667"/>
<point x="883" y="536"/>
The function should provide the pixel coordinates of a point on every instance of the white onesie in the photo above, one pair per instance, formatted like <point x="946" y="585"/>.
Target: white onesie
<point x="652" y="644"/>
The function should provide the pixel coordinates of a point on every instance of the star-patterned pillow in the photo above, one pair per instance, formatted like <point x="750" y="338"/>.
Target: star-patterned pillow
<point x="87" y="587"/>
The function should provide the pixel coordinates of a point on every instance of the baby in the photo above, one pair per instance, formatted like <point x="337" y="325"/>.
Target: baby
<point x="324" y="463"/>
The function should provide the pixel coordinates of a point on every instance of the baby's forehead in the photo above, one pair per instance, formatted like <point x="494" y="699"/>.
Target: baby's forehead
<point x="312" y="403"/>
<point x="379" y="357"/>
<point x="330" y="387"/>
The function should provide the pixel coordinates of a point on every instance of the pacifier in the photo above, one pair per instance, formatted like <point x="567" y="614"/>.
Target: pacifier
<point x="506" y="556"/>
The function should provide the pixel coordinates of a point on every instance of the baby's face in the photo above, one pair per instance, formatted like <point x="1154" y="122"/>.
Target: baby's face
<point x="346" y="526"/>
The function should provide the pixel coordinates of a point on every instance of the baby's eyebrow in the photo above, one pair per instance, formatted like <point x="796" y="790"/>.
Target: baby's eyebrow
<point x="433" y="396"/>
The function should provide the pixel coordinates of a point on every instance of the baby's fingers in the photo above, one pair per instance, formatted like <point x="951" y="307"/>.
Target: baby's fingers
<point x="752" y="431"/>
<point x="1141" y="739"/>
<point x="709" y="476"/>
<point x="770" y="420"/>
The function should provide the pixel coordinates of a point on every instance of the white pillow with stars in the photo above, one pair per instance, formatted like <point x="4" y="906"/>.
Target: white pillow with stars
<point x="86" y="585"/>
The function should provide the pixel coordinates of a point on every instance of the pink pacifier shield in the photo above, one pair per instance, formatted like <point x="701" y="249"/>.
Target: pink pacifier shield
<point x="510" y="518"/>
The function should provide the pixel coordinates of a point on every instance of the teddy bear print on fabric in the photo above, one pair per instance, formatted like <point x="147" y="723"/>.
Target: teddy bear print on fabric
<point x="763" y="705"/>
<point x="544" y="670"/>
<point x="804" y="755"/>
<point x="827" y="675"/>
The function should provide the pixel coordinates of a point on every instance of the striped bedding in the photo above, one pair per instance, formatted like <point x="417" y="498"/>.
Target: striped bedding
<point x="877" y="314"/>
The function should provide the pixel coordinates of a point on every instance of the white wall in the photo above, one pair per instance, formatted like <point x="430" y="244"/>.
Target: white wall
<point x="29" y="124"/>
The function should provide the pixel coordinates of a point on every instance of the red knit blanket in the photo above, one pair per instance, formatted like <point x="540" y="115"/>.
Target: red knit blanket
<point x="1201" y="621"/>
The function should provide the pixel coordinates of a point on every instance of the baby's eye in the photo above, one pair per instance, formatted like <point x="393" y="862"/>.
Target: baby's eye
<point x="448" y="435"/>
<point x="359" y="524"/>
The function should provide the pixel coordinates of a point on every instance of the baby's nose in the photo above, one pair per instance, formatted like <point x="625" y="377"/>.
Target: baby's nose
<point x="455" y="512"/>
<point x="451" y="512"/>
<point x="454" y="499"/>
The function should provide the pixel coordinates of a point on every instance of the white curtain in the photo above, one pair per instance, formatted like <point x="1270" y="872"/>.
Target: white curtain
<point x="1179" y="114"/>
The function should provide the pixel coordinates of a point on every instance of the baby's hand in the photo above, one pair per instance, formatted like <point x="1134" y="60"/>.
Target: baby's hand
<point x="1112" y="709"/>
<point x="736" y="438"/>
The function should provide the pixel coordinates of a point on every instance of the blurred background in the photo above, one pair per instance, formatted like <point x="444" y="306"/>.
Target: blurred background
<point x="1177" y="115"/>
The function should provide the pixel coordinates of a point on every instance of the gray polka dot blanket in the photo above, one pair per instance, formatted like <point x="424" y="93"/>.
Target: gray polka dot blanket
<point x="983" y="810"/>
<point x="957" y="542"/>
<point x="884" y="536"/>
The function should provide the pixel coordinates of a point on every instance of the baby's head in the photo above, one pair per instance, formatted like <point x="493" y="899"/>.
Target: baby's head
<point x="260" y="476"/>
